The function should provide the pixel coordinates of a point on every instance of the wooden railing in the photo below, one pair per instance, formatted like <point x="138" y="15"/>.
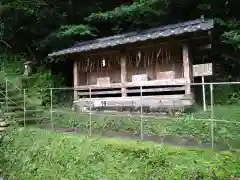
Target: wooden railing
<point x="167" y="82"/>
<point x="133" y="89"/>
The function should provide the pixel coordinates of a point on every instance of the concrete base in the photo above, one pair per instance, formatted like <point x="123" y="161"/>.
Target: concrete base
<point x="3" y="129"/>
<point x="148" y="103"/>
<point x="3" y="124"/>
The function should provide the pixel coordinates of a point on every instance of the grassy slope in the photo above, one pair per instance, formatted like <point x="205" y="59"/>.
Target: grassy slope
<point x="227" y="134"/>
<point x="36" y="154"/>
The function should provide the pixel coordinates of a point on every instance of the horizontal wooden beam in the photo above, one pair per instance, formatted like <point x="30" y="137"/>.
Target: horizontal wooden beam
<point x="133" y="91"/>
<point x="204" y="47"/>
<point x="149" y="101"/>
<point x="133" y="98"/>
<point x="100" y="92"/>
<point x="167" y="82"/>
<point x="157" y="90"/>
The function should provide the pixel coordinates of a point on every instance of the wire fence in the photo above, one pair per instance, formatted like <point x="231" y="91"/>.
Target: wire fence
<point x="213" y="121"/>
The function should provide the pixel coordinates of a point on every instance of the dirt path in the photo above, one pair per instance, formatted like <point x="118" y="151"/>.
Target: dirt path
<point x="180" y="141"/>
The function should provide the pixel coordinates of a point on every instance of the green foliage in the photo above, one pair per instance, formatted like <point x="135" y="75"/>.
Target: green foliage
<point x="173" y="130"/>
<point x="73" y="30"/>
<point x="227" y="94"/>
<point x="39" y="84"/>
<point x="231" y="35"/>
<point x="12" y="64"/>
<point x="37" y="154"/>
<point x="43" y="26"/>
<point x="233" y="38"/>
<point x="138" y="13"/>
<point x="65" y="35"/>
<point x="32" y="7"/>
<point x="39" y="27"/>
<point x="34" y="30"/>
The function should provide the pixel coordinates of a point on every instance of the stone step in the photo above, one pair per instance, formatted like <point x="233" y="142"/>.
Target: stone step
<point x="13" y="108"/>
<point x="20" y="113"/>
<point x="32" y="121"/>
<point x="10" y="103"/>
<point x="20" y="102"/>
<point x="13" y="90"/>
<point x="3" y="129"/>
<point x="4" y="124"/>
<point x="14" y="97"/>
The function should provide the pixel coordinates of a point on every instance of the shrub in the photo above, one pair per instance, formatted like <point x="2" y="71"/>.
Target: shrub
<point x="36" y="154"/>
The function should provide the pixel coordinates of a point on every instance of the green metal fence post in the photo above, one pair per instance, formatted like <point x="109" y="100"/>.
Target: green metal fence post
<point x="51" y="108"/>
<point x="212" y="116"/>
<point x="90" y="113"/>
<point x="141" y="111"/>
<point x="24" y="107"/>
<point x="6" y="95"/>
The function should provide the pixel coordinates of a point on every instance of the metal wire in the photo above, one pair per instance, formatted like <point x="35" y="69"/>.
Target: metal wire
<point x="126" y="86"/>
<point x="148" y="117"/>
<point x="141" y="117"/>
<point x="141" y="111"/>
<point x="212" y="115"/>
<point x="90" y="113"/>
<point x="51" y="108"/>
<point x="15" y="86"/>
<point x="24" y="105"/>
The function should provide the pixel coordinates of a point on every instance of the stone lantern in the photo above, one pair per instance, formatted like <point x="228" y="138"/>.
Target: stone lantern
<point x="27" y="68"/>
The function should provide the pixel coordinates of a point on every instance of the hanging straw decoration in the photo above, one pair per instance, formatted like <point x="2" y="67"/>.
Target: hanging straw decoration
<point x="83" y="65"/>
<point x="143" y="59"/>
<point x="109" y="63"/>
<point x="166" y="56"/>
<point x="169" y="55"/>
<point x="92" y="65"/>
<point x="118" y="60"/>
<point x="87" y="65"/>
<point x="96" y="66"/>
<point x="148" y="58"/>
<point x="103" y="64"/>
<point x="159" y="52"/>
<point x="114" y="62"/>
<point x="152" y="58"/>
<point x="173" y="62"/>
<point x="128" y="60"/>
<point x="138" y="58"/>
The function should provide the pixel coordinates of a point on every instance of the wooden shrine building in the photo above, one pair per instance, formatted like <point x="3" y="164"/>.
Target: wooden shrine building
<point x="152" y="67"/>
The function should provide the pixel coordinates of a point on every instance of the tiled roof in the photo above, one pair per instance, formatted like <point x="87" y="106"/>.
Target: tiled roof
<point x="133" y="37"/>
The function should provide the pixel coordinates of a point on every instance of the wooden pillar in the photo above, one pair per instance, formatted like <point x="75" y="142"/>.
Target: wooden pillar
<point x="75" y="78"/>
<point x="187" y="67"/>
<point x="123" y="75"/>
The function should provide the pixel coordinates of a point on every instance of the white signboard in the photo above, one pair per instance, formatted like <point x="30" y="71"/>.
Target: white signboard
<point x="103" y="82"/>
<point x="165" y="75"/>
<point x="140" y="77"/>
<point x="202" y="70"/>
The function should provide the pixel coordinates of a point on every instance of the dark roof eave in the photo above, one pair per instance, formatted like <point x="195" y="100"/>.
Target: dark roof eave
<point x="129" y="38"/>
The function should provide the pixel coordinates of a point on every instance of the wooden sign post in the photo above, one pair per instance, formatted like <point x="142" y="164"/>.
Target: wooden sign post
<point x="203" y="70"/>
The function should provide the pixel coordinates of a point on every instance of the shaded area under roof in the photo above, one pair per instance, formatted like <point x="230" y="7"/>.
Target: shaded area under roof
<point x="133" y="37"/>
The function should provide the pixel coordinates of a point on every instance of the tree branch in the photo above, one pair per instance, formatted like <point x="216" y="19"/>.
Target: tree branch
<point x="4" y="42"/>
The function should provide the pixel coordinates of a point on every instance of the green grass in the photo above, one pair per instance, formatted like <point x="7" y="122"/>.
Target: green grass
<point x="226" y="135"/>
<point x="37" y="154"/>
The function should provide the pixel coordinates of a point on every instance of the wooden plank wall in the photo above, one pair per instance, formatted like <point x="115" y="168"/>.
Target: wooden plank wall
<point x="91" y="68"/>
<point x="153" y="60"/>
